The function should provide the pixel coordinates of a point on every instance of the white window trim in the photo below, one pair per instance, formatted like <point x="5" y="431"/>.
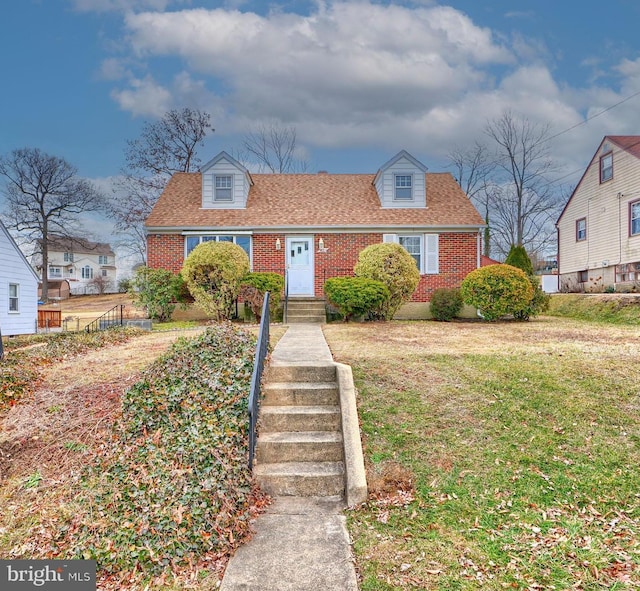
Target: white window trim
<point x="395" y="186"/>
<point x="16" y="298"/>
<point x="429" y="250"/>
<point x="215" y="237"/>
<point x="218" y="199"/>
<point x="84" y="275"/>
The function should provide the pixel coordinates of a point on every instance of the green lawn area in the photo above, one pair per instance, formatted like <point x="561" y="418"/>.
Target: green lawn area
<point x="499" y="455"/>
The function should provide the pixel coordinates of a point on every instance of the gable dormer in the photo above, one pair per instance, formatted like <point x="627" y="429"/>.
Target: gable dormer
<point x="401" y="182"/>
<point x="225" y="183"/>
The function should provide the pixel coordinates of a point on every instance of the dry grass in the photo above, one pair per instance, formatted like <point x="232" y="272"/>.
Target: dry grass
<point x="499" y="455"/>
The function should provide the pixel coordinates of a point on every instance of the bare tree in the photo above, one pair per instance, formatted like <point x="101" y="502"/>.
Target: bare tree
<point x="473" y="167"/>
<point x="44" y="197"/>
<point x="164" y="147"/>
<point x="100" y="284"/>
<point x="273" y="148"/>
<point x="525" y="203"/>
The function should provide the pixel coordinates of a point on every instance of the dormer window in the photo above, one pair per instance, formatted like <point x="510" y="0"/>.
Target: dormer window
<point x="403" y="186"/>
<point x="224" y="185"/>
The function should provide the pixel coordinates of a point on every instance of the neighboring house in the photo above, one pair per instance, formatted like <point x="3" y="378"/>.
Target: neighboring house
<point x="18" y="289"/>
<point x="86" y="265"/>
<point x="310" y="227"/>
<point x="599" y="228"/>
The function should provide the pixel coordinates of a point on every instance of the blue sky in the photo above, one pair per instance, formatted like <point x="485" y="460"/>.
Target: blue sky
<point x="359" y="80"/>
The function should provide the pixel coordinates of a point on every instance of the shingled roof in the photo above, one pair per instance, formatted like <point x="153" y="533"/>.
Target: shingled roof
<point x="311" y="200"/>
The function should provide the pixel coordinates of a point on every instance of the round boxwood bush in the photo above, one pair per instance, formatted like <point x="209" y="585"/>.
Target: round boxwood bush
<point x="391" y="264"/>
<point x="213" y="273"/>
<point x="446" y="304"/>
<point x="497" y="290"/>
<point x="355" y="296"/>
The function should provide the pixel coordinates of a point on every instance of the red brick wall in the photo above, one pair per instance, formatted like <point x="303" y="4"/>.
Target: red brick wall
<point x="458" y="257"/>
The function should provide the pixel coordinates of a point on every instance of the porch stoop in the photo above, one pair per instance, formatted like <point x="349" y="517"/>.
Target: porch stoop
<point x="300" y="449"/>
<point x="305" y="310"/>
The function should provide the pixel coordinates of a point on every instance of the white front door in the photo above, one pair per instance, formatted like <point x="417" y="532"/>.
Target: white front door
<point x="300" y="265"/>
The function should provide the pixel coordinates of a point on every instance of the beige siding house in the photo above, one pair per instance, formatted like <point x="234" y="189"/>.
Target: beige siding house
<point x="599" y="228"/>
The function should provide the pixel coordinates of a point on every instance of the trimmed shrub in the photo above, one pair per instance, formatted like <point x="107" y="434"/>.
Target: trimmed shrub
<point x="391" y="264"/>
<point x="255" y="285"/>
<point x="497" y="290"/>
<point x="156" y="290"/>
<point x="355" y="296"/>
<point x="213" y="273"/>
<point x="446" y="304"/>
<point x="519" y="258"/>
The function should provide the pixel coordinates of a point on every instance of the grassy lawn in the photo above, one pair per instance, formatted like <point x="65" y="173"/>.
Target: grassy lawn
<point x="500" y="456"/>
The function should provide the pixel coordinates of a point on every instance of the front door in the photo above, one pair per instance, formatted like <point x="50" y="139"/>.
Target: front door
<point x="300" y="265"/>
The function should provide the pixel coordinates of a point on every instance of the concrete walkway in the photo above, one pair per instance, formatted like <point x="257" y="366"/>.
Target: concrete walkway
<point x="300" y="544"/>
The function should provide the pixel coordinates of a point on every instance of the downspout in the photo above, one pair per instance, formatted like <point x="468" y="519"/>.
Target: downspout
<point x="478" y="246"/>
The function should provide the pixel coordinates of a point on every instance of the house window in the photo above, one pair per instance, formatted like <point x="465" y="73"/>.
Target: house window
<point x="606" y="167"/>
<point x="55" y="273"/>
<point x="68" y="257"/>
<point x="581" y="229"/>
<point x="103" y="259"/>
<point x="627" y="272"/>
<point x="243" y="242"/>
<point x="87" y="272"/>
<point x="634" y="218"/>
<point x="422" y="247"/>
<point x="413" y="245"/>
<point x="583" y="276"/>
<point x="104" y="272"/>
<point x="224" y="184"/>
<point x="14" y="297"/>
<point x="403" y="186"/>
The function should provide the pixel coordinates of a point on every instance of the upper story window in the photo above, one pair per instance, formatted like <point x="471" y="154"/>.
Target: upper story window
<point x="14" y="297"/>
<point x="87" y="272"/>
<point x="223" y="188"/>
<point x="103" y="259"/>
<point x="606" y="167"/>
<point x="68" y="257"/>
<point x="403" y="186"/>
<point x="634" y="218"/>
<point x="581" y="229"/>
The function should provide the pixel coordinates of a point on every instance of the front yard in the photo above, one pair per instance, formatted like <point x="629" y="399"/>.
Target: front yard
<point x="500" y="456"/>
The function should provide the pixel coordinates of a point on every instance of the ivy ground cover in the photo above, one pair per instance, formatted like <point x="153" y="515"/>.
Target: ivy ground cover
<point x="499" y="456"/>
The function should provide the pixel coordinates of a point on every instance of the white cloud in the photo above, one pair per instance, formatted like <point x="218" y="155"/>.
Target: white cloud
<point x="358" y="73"/>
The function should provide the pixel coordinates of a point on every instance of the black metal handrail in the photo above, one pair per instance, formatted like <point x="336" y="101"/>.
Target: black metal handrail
<point x="256" y="378"/>
<point x="113" y="317"/>
<point x="285" y="308"/>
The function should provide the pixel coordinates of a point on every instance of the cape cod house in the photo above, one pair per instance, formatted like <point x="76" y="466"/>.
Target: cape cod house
<point x="18" y="289"/>
<point x="599" y="228"/>
<point x="310" y="227"/>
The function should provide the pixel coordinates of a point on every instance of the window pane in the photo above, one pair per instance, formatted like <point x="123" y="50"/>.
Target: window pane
<point x="244" y="242"/>
<point x="635" y="218"/>
<point x="13" y="290"/>
<point x="225" y="238"/>
<point x="209" y="238"/>
<point x="403" y="183"/>
<point x="192" y="242"/>
<point x="606" y="167"/>
<point x="412" y="245"/>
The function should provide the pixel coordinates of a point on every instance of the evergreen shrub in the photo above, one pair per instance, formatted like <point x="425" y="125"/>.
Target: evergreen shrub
<point x="497" y="290"/>
<point x="355" y="296"/>
<point x="446" y="304"/>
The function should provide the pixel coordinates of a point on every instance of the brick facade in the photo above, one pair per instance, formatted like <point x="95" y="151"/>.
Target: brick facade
<point x="457" y="257"/>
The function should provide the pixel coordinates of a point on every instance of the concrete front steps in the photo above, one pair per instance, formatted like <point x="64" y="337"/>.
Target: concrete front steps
<point x="300" y="450"/>
<point x="305" y="310"/>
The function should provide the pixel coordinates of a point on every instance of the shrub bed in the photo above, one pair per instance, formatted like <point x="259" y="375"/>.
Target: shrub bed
<point x="173" y="484"/>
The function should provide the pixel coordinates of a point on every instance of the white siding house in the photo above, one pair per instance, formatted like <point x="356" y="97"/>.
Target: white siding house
<point x="87" y="266"/>
<point x="18" y="289"/>
<point x="599" y="228"/>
